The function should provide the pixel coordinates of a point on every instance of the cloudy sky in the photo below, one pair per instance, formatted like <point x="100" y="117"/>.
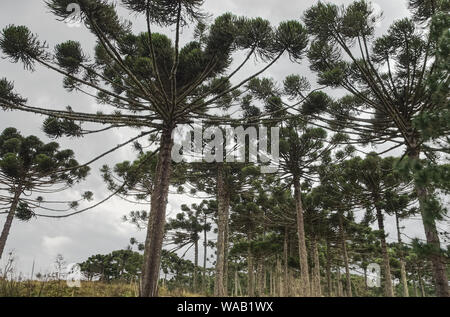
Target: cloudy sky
<point x="102" y="230"/>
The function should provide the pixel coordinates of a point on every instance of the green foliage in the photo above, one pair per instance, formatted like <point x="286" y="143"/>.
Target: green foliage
<point x="69" y="56"/>
<point x="21" y="157"/>
<point x="19" y="44"/>
<point x="28" y="164"/>
<point x="316" y="103"/>
<point x="97" y="15"/>
<point x="292" y="37"/>
<point x="7" y="94"/>
<point x="423" y="10"/>
<point x="121" y="265"/>
<point x="57" y="128"/>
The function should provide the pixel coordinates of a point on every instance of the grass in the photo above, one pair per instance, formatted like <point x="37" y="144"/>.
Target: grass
<point x="10" y="288"/>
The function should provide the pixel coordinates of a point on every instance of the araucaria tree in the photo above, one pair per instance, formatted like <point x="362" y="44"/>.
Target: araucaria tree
<point x="387" y="78"/>
<point x="30" y="167"/>
<point x="149" y="81"/>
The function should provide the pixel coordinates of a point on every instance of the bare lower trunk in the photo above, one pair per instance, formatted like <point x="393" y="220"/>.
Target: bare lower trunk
<point x="194" y="282"/>
<point x="250" y="275"/>
<point x="205" y="255"/>
<point x="236" y="282"/>
<point x="388" y="289"/>
<point x="416" y="292"/>
<point x="301" y="240"/>
<point x="279" y="277"/>
<point x="432" y="236"/>
<point x="9" y="220"/>
<point x="402" y="259"/>
<point x="271" y="294"/>
<point x="366" y="287"/>
<point x="260" y="278"/>
<point x="329" y="285"/>
<point x="419" y="278"/>
<point x="340" y="292"/>
<point x="157" y="218"/>
<point x="219" y="287"/>
<point x="437" y="260"/>
<point x="286" y="267"/>
<point x="316" y="271"/>
<point x="345" y="256"/>
<point x="226" y="246"/>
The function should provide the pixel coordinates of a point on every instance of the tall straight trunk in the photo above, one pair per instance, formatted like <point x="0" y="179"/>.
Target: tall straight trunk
<point x="432" y="236"/>
<point x="9" y="219"/>
<point x="219" y="288"/>
<point x="259" y="277"/>
<point x="416" y="293"/>
<point x="329" y="285"/>
<point x="157" y="218"/>
<point x="303" y="253"/>
<point x="205" y="254"/>
<point x="340" y="292"/>
<point x="265" y="279"/>
<point x="194" y="281"/>
<point x="316" y="270"/>
<point x="366" y="287"/>
<point x="285" y="259"/>
<point x="345" y="256"/>
<point x="236" y="282"/>
<point x="402" y="258"/>
<point x="240" y="287"/>
<point x="271" y="282"/>
<point x="279" y="278"/>
<point x="226" y="245"/>
<point x="388" y="289"/>
<point x="419" y="278"/>
<point x="250" y="266"/>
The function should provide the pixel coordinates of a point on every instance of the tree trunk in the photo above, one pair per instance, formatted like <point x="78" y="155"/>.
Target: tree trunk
<point x="279" y="277"/>
<point x="285" y="259"/>
<point x="271" y="282"/>
<point x="205" y="255"/>
<point x="416" y="292"/>
<point x="402" y="258"/>
<point x="157" y="218"/>
<point x="236" y="282"/>
<point x="260" y="277"/>
<point x="345" y="256"/>
<point x="316" y="270"/>
<point x="419" y="277"/>
<point x="340" y="292"/>
<point x="432" y="236"/>
<point x="250" y="275"/>
<point x="9" y="219"/>
<point x="366" y="287"/>
<point x="226" y="245"/>
<point x="303" y="253"/>
<point x="219" y="288"/>
<point x="329" y="285"/>
<point x="388" y="289"/>
<point x="194" y="282"/>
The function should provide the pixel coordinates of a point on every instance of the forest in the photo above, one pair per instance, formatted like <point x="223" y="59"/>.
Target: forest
<point x="314" y="193"/>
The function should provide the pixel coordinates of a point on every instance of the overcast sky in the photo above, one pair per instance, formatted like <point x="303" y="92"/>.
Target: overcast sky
<point x="102" y="230"/>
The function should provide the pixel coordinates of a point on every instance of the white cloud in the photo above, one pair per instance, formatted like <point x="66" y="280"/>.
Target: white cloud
<point x="55" y="245"/>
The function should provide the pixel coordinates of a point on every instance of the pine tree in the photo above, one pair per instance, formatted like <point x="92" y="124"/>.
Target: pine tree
<point x="28" y="167"/>
<point x="387" y="79"/>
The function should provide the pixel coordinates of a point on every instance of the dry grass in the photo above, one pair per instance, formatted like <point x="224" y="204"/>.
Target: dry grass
<point x="87" y="289"/>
